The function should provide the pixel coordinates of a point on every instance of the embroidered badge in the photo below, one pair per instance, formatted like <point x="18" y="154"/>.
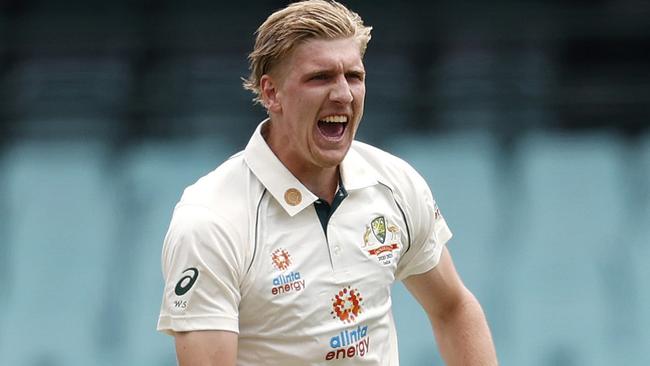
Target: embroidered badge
<point x="378" y="226"/>
<point x="385" y="241"/>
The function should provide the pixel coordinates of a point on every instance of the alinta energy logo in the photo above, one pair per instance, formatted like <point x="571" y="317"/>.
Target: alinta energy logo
<point x="347" y="304"/>
<point x="281" y="259"/>
<point x="289" y="282"/>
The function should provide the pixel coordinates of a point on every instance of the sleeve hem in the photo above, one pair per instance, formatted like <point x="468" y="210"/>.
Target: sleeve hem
<point x="171" y="324"/>
<point x="426" y="266"/>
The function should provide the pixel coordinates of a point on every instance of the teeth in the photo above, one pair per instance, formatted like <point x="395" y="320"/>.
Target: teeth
<point x="335" y="119"/>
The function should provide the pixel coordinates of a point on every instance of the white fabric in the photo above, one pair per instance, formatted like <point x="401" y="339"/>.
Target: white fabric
<point x="232" y="223"/>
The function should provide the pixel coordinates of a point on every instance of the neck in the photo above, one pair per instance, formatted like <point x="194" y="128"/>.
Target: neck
<point x="323" y="182"/>
<point x="323" y="185"/>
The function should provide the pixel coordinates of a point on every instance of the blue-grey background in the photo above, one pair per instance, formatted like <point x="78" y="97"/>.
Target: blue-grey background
<point x="529" y="119"/>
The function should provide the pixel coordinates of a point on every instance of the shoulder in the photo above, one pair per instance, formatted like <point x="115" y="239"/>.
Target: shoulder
<point x="214" y="215"/>
<point x="230" y="184"/>
<point x="225" y="195"/>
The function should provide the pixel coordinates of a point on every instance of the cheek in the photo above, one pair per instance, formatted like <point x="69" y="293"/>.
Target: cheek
<point x="359" y="93"/>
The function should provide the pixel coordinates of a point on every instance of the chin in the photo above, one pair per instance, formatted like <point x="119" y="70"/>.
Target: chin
<point x="331" y="160"/>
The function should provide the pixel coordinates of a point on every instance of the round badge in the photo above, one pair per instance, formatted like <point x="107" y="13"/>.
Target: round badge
<point x="293" y="197"/>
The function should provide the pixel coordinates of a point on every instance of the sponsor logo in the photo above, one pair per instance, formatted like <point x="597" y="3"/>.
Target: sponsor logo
<point x="349" y="343"/>
<point x="285" y="283"/>
<point x="183" y="286"/>
<point x="347" y="304"/>
<point x="281" y="259"/>
<point x="384" y="241"/>
<point x="186" y="282"/>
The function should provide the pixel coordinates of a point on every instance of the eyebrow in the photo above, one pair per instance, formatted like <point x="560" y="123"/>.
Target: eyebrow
<point x="327" y="72"/>
<point x="319" y="72"/>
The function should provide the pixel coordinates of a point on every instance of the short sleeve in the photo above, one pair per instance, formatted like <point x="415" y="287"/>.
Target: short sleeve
<point x="201" y="263"/>
<point x="429" y="232"/>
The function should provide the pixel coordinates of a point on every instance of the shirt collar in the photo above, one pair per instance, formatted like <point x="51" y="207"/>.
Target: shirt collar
<point x="288" y="191"/>
<point x="356" y="173"/>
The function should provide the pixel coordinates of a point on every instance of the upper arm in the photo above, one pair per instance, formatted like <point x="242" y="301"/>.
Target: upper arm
<point x="202" y="266"/>
<point x="426" y="228"/>
<point x="459" y="324"/>
<point x="206" y="348"/>
<point x="440" y="289"/>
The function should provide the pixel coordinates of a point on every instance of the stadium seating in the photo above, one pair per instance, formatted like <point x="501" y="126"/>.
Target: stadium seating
<point x="61" y="227"/>
<point x="64" y="96"/>
<point x="199" y="95"/>
<point x="639" y="231"/>
<point x="564" y="276"/>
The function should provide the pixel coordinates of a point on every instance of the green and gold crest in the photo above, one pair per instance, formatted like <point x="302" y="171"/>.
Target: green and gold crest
<point x="379" y="228"/>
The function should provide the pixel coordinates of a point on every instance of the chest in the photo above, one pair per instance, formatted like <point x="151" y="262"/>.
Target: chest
<point x="311" y="281"/>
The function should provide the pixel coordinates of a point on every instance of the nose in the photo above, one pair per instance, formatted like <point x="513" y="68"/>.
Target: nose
<point x="341" y="92"/>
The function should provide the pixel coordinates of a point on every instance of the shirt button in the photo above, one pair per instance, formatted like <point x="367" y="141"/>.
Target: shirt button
<point x="337" y="250"/>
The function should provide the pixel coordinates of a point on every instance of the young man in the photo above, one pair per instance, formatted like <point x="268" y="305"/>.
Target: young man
<point x="285" y="254"/>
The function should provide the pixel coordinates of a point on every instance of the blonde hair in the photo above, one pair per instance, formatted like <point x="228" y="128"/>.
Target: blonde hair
<point x="296" y="23"/>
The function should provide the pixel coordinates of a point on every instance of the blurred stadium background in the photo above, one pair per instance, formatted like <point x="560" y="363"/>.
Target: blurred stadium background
<point x="529" y="119"/>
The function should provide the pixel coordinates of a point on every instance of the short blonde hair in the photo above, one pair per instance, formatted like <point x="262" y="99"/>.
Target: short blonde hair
<point x="300" y="21"/>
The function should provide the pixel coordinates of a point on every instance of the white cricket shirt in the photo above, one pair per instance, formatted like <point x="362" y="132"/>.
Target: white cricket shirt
<point x="246" y="252"/>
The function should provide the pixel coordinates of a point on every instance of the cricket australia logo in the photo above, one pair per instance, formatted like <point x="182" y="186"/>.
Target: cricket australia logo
<point x="378" y="226"/>
<point x="384" y="241"/>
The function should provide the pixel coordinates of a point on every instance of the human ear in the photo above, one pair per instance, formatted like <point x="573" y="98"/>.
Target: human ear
<point x="269" y="93"/>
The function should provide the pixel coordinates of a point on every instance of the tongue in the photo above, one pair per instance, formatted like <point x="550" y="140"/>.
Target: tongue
<point x="331" y="129"/>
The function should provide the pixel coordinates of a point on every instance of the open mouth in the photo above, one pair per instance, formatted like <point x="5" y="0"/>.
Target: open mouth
<point x="333" y="127"/>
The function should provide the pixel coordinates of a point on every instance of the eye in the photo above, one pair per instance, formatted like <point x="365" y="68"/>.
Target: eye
<point x="357" y="76"/>
<point x="319" y="77"/>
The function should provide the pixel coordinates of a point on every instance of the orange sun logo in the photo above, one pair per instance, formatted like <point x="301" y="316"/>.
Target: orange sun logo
<point x="347" y="305"/>
<point x="281" y="259"/>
